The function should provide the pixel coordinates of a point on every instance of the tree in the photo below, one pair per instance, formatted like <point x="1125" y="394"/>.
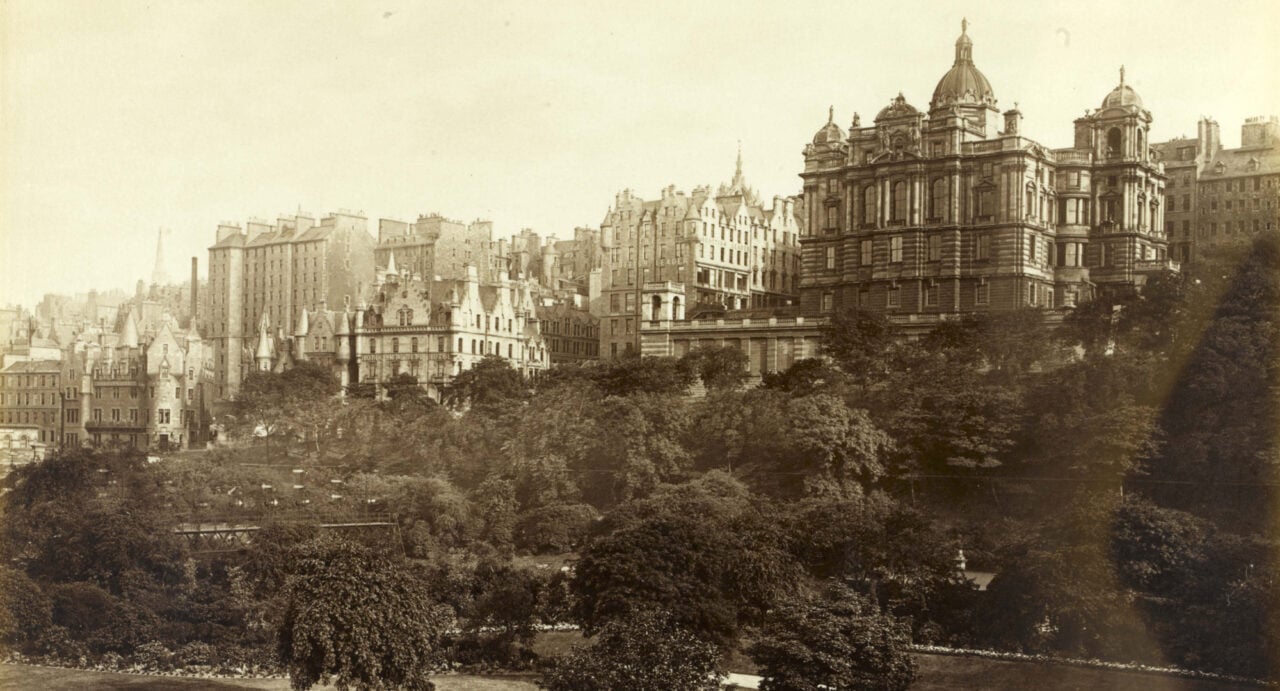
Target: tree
<point x="644" y="651"/>
<point x="859" y="341"/>
<point x="719" y="367"/>
<point x="25" y="611"/>
<point x="834" y="639"/>
<point x="654" y="375"/>
<point x="359" y="619"/>
<point x="810" y="375"/>
<point x="405" y="396"/>
<point x="492" y="388"/>
<point x="298" y="403"/>
<point x="704" y="551"/>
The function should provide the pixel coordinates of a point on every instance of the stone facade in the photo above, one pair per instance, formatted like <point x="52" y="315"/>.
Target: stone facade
<point x="572" y="334"/>
<point x="30" y="409"/>
<point x="1223" y="196"/>
<point x="279" y="270"/>
<point x="435" y="246"/>
<point x="954" y="211"/>
<point x="724" y="246"/>
<point x="430" y="329"/>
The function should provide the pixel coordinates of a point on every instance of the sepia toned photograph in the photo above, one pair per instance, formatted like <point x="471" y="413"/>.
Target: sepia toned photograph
<point x="693" y="346"/>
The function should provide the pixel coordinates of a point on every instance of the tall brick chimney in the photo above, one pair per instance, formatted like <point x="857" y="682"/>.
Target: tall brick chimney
<point x="195" y="294"/>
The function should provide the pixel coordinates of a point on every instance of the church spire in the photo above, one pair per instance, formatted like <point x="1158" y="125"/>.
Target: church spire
<point x="158" y="275"/>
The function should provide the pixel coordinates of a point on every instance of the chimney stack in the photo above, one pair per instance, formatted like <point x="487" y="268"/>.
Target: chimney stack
<point x="195" y="294"/>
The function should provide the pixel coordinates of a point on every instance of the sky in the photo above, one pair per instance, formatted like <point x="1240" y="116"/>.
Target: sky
<point x="119" y="119"/>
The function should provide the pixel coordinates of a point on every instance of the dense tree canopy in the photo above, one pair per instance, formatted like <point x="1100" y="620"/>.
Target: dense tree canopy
<point x="359" y="620"/>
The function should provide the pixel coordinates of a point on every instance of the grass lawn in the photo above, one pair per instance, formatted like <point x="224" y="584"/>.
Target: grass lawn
<point x="938" y="672"/>
<point x="24" y="678"/>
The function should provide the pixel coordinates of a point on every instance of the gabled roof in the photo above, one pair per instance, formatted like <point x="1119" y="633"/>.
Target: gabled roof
<point x="33" y="366"/>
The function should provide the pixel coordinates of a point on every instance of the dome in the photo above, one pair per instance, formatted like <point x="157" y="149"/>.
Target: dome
<point x="1122" y="96"/>
<point x="963" y="84"/>
<point x="830" y="132"/>
<point x="897" y="108"/>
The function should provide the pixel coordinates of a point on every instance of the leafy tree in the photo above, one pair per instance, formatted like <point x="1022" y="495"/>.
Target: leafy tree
<point x="492" y="388"/>
<point x="405" y="396"/>
<point x="638" y="445"/>
<point x="719" y="367"/>
<point x="860" y="342"/>
<point x="643" y="651"/>
<point x="654" y="375"/>
<point x="834" y="639"/>
<point x="807" y="376"/>
<point x="358" y="619"/>
<point x="703" y="551"/>
<point x="555" y="528"/>
<point x="495" y="501"/>
<point x="25" y="611"/>
<point x="1154" y="547"/>
<point x="298" y="403"/>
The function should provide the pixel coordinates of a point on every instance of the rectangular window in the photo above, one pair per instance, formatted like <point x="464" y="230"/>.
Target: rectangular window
<point x="935" y="248"/>
<point x="831" y="258"/>
<point x="828" y="302"/>
<point x="982" y="294"/>
<point x="930" y="295"/>
<point x="895" y="297"/>
<point x="982" y="248"/>
<point x="864" y="253"/>
<point x="895" y="249"/>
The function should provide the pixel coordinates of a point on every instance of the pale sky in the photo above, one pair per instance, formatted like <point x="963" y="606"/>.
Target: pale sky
<point x="121" y="118"/>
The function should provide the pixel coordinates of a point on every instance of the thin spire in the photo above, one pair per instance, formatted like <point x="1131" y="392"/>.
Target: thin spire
<point x="158" y="275"/>
<point x="831" y="114"/>
<point x="738" y="168"/>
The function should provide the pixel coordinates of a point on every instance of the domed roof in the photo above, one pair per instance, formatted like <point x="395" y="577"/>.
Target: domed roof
<point x="830" y="132"/>
<point x="963" y="84"/>
<point x="897" y="108"/>
<point x="1122" y="96"/>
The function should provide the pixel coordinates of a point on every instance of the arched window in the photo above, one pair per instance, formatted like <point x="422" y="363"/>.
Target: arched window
<point x="657" y="308"/>
<point x="938" y="199"/>
<point x="869" y="205"/>
<point x="1030" y="210"/>
<point x="1113" y="141"/>
<point x="899" y="201"/>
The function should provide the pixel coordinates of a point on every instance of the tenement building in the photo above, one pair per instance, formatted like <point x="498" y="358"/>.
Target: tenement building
<point x="723" y="245"/>
<point x="1220" y="196"/>
<point x="927" y="214"/>
<point x="279" y="270"/>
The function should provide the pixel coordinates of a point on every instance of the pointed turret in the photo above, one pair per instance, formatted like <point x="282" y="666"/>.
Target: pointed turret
<point x="130" y="336"/>
<point x="265" y="349"/>
<point x="391" y="265"/>
<point x="304" y="326"/>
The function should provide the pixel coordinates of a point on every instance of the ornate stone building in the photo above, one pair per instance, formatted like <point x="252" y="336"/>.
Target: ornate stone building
<point x="724" y="246"/>
<point x="430" y="329"/>
<point x="926" y="214"/>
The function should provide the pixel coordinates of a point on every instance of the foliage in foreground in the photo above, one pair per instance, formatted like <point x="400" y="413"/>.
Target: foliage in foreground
<point x="646" y="650"/>
<point x="835" y="639"/>
<point x="359" y="619"/>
